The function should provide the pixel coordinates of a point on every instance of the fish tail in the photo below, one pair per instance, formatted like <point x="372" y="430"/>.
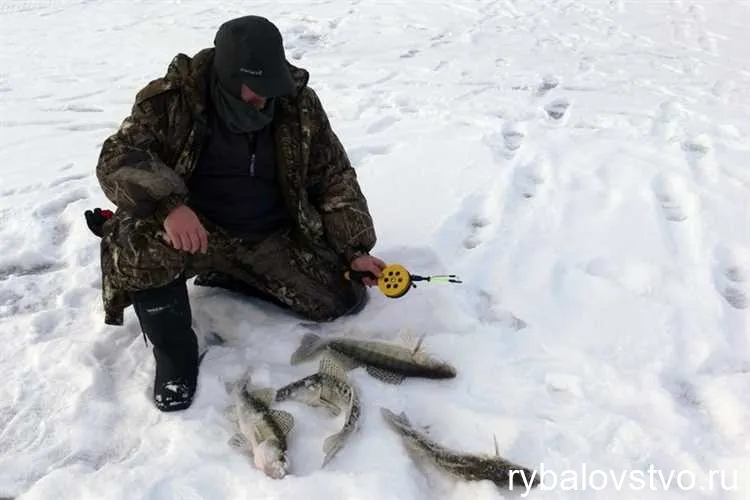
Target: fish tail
<point x="308" y="347"/>
<point x="333" y="444"/>
<point x="243" y="382"/>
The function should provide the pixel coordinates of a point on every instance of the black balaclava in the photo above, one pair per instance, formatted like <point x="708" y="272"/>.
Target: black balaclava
<point x="239" y="116"/>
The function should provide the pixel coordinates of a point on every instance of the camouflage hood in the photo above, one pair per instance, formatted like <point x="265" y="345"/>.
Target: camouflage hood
<point x="191" y="75"/>
<point x="144" y="166"/>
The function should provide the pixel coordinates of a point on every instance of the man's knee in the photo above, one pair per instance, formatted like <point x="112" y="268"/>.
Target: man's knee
<point x="331" y="304"/>
<point x="137" y="257"/>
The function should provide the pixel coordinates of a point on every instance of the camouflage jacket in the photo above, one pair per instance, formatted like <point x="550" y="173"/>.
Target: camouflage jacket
<point x="143" y="167"/>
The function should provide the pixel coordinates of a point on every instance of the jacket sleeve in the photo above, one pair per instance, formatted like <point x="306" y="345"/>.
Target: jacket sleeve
<point x="133" y="169"/>
<point x="336" y="192"/>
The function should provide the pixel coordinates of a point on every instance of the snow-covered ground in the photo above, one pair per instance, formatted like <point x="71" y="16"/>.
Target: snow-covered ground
<point x="582" y="165"/>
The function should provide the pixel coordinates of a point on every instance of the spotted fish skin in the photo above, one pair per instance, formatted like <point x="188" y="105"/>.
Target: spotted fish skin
<point x="469" y="467"/>
<point x="331" y="389"/>
<point x="261" y="432"/>
<point x="385" y="361"/>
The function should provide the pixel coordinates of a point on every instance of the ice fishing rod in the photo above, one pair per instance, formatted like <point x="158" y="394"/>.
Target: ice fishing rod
<point x="395" y="280"/>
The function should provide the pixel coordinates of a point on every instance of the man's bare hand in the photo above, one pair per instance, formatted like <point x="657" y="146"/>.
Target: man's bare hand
<point x="371" y="264"/>
<point x="185" y="231"/>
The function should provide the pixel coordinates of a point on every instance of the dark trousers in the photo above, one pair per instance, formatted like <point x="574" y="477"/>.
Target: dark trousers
<point x="308" y="281"/>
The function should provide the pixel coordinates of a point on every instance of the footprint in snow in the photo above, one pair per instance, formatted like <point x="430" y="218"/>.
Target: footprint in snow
<point x="513" y="134"/>
<point x="57" y="206"/>
<point x="732" y="275"/>
<point x="548" y="83"/>
<point x="722" y="89"/>
<point x="476" y="224"/>
<point x="698" y="13"/>
<point x="558" y="109"/>
<point x="676" y="201"/>
<point x="65" y="179"/>
<point x="664" y="125"/>
<point x="683" y="392"/>
<point x="678" y="206"/>
<point x="532" y="178"/>
<point x="489" y="311"/>
<point x="707" y="42"/>
<point x="699" y="153"/>
<point x="29" y="265"/>
<point x="474" y="217"/>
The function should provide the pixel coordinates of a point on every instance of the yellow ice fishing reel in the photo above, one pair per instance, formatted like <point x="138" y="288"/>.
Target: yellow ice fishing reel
<point x="395" y="280"/>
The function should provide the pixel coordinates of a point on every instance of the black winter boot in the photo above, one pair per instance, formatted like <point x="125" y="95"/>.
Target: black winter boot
<point x="165" y="317"/>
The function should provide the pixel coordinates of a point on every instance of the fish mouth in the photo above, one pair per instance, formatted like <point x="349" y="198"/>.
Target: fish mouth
<point x="450" y="370"/>
<point x="275" y="470"/>
<point x="444" y="369"/>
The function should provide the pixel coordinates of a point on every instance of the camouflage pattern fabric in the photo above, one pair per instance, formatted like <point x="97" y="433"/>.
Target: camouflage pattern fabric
<point x="310" y="283"/>
<point x="143" y="169"/>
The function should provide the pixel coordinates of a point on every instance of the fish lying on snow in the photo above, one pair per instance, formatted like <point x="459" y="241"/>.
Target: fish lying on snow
<point x="329" y="388"/>
<point x="471" y="467"/>
<point x="387" y="362"/>
<point x="261" y="431"/>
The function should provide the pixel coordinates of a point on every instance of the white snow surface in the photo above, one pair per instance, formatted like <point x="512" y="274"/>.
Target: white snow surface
<point x="582" y="165"/>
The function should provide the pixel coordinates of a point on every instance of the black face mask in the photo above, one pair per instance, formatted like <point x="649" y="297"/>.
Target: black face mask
<point x="239" y="116"/>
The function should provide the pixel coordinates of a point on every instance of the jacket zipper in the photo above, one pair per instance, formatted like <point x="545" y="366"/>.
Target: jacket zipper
<point x="254" y="147"/>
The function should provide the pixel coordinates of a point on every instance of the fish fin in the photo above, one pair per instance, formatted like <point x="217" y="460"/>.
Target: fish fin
<point x="418" y="346"/>
<point x="347" y="363"/>
<point x="333" y="409"/>
<point x="332" y="445"/>
<point x="323" y="402"/>
<point x="240" y="382"/>
<point x="386" y="376"/>
<point x="325" y="399"/>
<point x="330" y="365"/>
<point x="265" y="395"/>
<point x="230" y="414"/>
<point x="310" y="344"/>
<point x="283" y="419"/>
<point x="408" y="337"/>
<point x="327" y="396"/>
<point x="404" y="419"/>
<point x="239" y="442"/>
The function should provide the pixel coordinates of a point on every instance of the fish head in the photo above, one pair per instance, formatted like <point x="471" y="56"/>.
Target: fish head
<point x="271" y="459"/>
<point x="447" y="368"/>
<point x="436" y="364"/>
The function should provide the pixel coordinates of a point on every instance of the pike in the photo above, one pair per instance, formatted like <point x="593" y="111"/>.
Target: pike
<point x="261" y="431"/>
<point x="387" y="362"/>
<point x="470" y="467"/>
<point x="329" y="388"/>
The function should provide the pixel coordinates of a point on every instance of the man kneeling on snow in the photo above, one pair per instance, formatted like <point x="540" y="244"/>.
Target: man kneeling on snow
<point x="227" y="169"/>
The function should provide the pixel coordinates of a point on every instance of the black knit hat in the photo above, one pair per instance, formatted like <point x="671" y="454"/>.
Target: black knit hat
<point x="250" y="50"/>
